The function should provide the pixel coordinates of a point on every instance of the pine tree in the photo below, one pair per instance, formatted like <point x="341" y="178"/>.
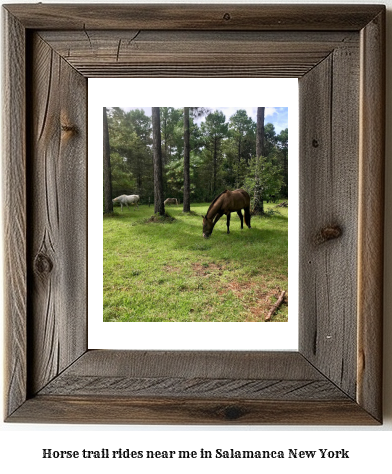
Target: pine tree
<point x="258" y="206"/>
<point x="107" y="174"/>
<point x="159" y="206"/>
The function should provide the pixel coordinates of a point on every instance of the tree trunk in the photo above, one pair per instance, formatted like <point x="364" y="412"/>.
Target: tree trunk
<point x="258" y="205"/>
<point x="239" y="161"/>
<point x="187" y="184"/>
<point x="159" y="206"/>
<point x="107" y="172"/>
<point x="286" y="174"/>
<point x="260" y="132"/>
<point x="215" y="163"/>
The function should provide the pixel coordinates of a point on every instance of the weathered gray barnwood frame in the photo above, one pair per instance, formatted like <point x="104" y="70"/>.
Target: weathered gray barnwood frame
<point x="337" y="53"/>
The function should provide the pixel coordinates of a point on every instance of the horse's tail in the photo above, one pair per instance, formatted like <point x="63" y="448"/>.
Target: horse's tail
<point x="247" y="216"/>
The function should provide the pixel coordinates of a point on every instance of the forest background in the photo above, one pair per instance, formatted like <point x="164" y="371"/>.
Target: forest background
<point x="222" y="153"/>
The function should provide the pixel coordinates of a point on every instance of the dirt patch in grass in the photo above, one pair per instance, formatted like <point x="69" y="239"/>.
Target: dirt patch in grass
<point x="170" y="269"/>
<point x="207" y="269"/>
<point x="257" y="298"/>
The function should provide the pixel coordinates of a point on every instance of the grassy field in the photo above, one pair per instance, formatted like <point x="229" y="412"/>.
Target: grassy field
<point x="166" y="271"/>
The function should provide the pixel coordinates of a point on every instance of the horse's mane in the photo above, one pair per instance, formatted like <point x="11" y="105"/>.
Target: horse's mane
<point x="214" y="201"/>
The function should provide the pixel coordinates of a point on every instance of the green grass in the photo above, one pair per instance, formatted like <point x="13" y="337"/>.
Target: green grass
<point x="166" y="271"/>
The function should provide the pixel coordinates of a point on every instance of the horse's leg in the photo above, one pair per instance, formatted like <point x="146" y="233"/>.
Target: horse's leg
<point x="241" y="217"/>
<point x="217" y="217"/>
<point x="228" y="222"/>
<point x="247" y="217"/>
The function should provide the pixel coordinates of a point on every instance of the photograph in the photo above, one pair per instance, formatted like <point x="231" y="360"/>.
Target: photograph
<point x="173" y="178"/>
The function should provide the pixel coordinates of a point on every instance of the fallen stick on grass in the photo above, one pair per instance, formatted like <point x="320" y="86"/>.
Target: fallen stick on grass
<point x="275" y="306"/>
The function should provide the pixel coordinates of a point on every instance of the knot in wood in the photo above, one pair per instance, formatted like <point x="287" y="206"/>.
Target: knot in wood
<point x="69" y="128"/>
<point x="232" y="413"/>
<point x="43" y="264"/>
<point x="315" y="143"/>
<point x="328" y="233"/>
<point x="227" y="16"/>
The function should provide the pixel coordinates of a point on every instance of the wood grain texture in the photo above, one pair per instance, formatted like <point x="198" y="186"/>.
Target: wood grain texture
<point x="14" y="208"/>
<point x="371" y="216"/>
<point x="57" y="215"/>
<point x="127" y="53"/>
<point x="193" y="17"/>
<point x="204" y="364"/>
<point x="190" y="387"/>
<point x="103" y="409"/>
<point x="329" y="134"/>
<point x="208" y="375"/>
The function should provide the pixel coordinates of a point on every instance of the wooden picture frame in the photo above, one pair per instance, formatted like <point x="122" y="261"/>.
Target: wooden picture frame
<point x="338" y="54"/>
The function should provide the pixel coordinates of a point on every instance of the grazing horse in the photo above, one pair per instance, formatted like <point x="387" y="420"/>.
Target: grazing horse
<point x="170" y="201"/>
<point x="225" y="203"/>
<point x="125" y="200"/>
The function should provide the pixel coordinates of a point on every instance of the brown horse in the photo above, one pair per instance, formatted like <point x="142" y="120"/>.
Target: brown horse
<point x="225" y="203"/>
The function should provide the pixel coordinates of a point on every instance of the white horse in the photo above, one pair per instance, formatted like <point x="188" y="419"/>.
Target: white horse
<point x="125" y="200"/>
<point x="171" y="201"/>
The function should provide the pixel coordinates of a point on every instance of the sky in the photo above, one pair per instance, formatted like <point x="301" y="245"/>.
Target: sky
<point x="278" y="116"/>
